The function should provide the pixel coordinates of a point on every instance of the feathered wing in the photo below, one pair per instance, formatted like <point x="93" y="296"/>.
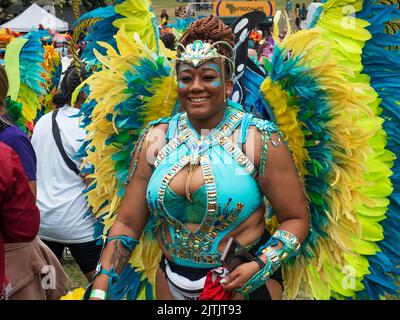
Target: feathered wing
<point x="51" y="75"/>
<point x="140" y="89"/>
<point x="330" y="116"/>
<point x="103" y="24"/>
<point x="138" y="17"/>
<point x="23" y="64"/>
<point x="131" y="85"/>
<point x="381" y="62"/>
<point x="99" y="24"/>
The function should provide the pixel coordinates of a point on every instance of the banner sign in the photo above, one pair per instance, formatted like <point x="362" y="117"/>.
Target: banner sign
<point x="224" y="8"/>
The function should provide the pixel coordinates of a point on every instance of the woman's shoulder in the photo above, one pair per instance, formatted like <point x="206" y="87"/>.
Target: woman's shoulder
<point x="156" y="130"/>
<point x="258" y="131"/>
<point x="13" y="132"/>
<point x="160" y="124"/>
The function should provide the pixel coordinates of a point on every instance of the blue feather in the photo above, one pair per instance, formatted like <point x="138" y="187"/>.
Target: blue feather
<point x="383" y="67"/>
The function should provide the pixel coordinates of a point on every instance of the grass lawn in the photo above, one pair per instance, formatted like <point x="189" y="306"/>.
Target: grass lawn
<point x="76" y="277"/>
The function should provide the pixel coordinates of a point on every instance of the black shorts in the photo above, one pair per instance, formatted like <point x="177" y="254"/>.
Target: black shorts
<point x="194" y="274"/>
<point x="86" y="254"/>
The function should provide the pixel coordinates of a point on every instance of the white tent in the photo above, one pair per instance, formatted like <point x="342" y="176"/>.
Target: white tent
<point x="34" y="16"/>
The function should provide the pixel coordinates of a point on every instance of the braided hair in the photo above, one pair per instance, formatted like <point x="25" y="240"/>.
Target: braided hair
<point x="71" y="80"/>
<point x="210" y="29"/>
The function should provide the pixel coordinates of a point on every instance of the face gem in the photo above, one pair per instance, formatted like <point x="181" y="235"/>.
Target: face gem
<point x="181" y="85"/>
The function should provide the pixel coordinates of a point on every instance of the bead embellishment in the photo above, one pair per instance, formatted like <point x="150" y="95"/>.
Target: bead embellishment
<point x="238" y="155"/>
<point x="196" y="246"/>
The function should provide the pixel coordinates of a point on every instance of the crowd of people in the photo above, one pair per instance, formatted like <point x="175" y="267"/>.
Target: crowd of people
<point x="37" y="184"/>
<point x="49" y="187"/>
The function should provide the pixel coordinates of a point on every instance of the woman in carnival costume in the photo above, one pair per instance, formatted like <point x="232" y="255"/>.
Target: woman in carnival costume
<point x="333" y="93"/>
<point x="199" y="178"/>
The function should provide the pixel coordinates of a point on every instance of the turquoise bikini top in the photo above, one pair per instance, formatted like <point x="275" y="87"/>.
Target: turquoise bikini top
<point x="230" y="193"/>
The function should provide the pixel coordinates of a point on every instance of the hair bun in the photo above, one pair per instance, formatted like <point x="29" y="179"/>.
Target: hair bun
<point x="60" y="99"/>
<point x="210" y="29"/>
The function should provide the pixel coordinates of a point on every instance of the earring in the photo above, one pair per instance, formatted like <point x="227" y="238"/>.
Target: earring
<point x="223" y="78"/>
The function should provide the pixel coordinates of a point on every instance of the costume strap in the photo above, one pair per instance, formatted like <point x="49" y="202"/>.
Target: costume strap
<point x="275" y="258"/>
<point x="244" y="127"/>
<point x="172" y="128"/>
<point x="267" y="129"/>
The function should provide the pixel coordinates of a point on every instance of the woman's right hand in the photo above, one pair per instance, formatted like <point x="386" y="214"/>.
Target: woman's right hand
<point x="239" y="277"/>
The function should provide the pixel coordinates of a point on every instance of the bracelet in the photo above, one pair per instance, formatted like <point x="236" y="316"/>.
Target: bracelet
<point x="291" y="244"/>
<point x="272" y="255"/>
<point x="128" y="242"/>
<point x="99" y="294"/>
<point x="258" y="279"/>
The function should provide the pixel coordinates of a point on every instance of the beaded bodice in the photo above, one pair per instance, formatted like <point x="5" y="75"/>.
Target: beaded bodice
<point x="230" y="193"/>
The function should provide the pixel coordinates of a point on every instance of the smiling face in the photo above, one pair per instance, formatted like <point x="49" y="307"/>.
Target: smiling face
<point x="201" y="90"/>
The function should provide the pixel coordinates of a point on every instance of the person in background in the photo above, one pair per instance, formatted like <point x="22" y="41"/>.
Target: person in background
<point x="66" y="220"/>
<point x="168" y="39"/>
<point x="289" y="7"/>
<point x="14" y="137"/>
<point x="27" y="259"/>
<point x="19" y="216"/>
<point x="297" y="10"/>
<point x="164" y="18"/>
<point x="179" y="12"/>
<point x="303" y="14"/>
<point x="189" y="11"/>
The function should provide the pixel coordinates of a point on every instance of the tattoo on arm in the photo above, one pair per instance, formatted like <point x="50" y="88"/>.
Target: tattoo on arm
<point x="120" y="257"/>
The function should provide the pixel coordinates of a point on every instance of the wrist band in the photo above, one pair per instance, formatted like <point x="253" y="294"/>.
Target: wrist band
<point x="99" y="294"/>
<point x="258" y="279"/>
<point x="291" y="246"/>
<point x="129" y="243"/>
<point x="260" y="263"/>
<point x="272" y="255"/>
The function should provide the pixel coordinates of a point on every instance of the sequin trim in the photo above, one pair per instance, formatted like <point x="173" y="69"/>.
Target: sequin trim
<point x="196" y="246"/>
<point x="267" y="129"/>
<point x="167" y="149"/>
<point x="238" y="155"/>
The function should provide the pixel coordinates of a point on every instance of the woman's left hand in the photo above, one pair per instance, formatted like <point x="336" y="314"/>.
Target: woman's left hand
<point x="239" y="277"/>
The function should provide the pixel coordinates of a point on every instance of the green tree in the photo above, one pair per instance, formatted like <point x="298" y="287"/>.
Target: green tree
<point x="26" y="3"/>
<point x="5" y="3"/>
<point x="93" y="4"/>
